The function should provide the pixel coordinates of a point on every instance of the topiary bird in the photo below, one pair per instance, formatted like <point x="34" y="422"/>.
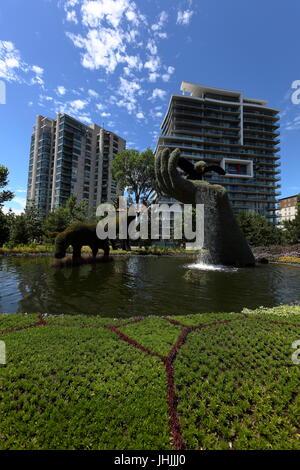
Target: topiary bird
<point x="196" y="172"/>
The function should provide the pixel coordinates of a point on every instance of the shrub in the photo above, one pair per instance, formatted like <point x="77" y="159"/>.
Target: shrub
<point x="289" y="259"/>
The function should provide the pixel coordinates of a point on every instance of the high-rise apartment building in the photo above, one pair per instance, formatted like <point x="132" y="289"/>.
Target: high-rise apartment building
<point x="239" y="134"/>
<point x="68" y="157"/>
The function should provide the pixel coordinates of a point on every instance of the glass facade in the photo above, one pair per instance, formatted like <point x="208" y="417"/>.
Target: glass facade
<point x="68" y="157"/>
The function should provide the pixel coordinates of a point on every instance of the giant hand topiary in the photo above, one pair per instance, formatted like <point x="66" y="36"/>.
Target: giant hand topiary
<point x="222" y="235"/>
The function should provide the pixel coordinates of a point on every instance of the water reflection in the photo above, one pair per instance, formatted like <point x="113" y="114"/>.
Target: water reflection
<point x="141" y="286"/>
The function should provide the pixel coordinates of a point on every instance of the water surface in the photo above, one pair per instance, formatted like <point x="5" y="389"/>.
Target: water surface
<point x="141" y="286"/>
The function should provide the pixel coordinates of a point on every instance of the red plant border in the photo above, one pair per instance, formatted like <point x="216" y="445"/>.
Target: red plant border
<point x="168" y="360"/>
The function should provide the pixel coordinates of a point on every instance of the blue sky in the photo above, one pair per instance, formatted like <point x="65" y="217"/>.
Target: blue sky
<point x="117" y="62"/>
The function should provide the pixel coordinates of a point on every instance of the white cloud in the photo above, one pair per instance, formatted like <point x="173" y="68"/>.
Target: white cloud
<point x="14" y="69"/>
<point x="153" y="76"/>
<point x="151" y="46"/>
<point x="38" y="70"/>
<point x="162" y="35"/>
<point x="104" y="114"/>
<point x="158" y="93"/>
<point x="153" y="64"/>
<point x="293" y="125"/>
<point x="140" y="115"/>
<point x="75" y="108"/>
<point x="21" y="201"/>
<point x="71" y="3"/>
<point x="131" y="16"/>
<point x="37" y="80"/>
<point x="61" y="90"/>
<point x="127" y="90"/>
<point x="166" y="76"/>
<point x="78" y="105"/>
<point x="114" y="33"/>
<point x="94" y="12"/>
<point x="46" y="98"/>
<point x="127" y="72"/>
<point x="9" y="61"/>
<point x="93" y="93"/>
<point x="103" y="48"/>
<point x="17" y="205"/>
<point x="71" y="16"/>
<point x="85" y="118"/>
<point x="161" y="21"/>
<point x="184" y="17"/>
<point x="133" y="62"/>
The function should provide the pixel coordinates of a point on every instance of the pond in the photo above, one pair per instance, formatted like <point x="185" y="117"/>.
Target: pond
<point x="141" y="286"/>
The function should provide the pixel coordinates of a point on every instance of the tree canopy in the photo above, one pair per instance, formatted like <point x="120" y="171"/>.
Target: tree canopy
<point x="134" y="173"/>
<point x="59" y="219"/>
<point x="257" y="230"/>
<point x="4" y="195"/>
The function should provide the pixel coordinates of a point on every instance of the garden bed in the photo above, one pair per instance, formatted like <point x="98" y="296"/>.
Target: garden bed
<point x="207" y="381"/>
<point x="278" y="253"/>
<point x="49" y="251"/>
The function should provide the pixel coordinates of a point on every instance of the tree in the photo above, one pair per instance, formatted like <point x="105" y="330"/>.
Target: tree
<point x="134" y="172"/>
<point x="19" y="231"/>
<point x="59" y="219"/>
<point x="34" y="223"/>
<point x="26" y="227"/>
<point x="4" y="228"/>
<point x="4" y="195"/>
<point x="77" y="211"/>
<point x="257" y="230"/>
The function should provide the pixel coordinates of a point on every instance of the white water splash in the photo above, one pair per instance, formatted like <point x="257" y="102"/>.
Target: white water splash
<point x="211" y="267"/>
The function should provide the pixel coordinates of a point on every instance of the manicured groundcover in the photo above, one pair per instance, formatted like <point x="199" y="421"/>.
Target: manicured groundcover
<point x="214" y="381"/>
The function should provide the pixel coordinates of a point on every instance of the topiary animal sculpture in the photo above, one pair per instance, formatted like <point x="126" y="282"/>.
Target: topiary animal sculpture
<point x="78" y="235"/>
<point x="81" y="234"/>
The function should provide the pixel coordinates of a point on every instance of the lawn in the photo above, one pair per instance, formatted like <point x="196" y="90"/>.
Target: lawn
<point x="207" y="381"/>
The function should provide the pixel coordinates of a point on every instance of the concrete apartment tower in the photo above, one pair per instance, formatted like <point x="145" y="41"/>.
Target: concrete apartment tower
<point x="68" y="157"/>
<point x="240" y="134"/>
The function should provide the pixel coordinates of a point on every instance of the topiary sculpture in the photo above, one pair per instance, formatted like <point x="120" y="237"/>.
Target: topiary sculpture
<point x="222" y="235"/>
<point x="78" y="235"/>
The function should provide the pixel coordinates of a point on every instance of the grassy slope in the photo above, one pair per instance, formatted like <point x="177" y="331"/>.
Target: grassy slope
<point x="68" y="387"/>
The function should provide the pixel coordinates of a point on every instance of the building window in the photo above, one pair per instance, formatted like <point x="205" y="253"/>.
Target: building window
<point x="237" y="168"/>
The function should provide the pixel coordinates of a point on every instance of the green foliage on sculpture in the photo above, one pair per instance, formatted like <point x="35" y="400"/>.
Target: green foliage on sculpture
<point x="78" y="235"/>
<point x="81" y="234"/>
<point x="222" y="234"/>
